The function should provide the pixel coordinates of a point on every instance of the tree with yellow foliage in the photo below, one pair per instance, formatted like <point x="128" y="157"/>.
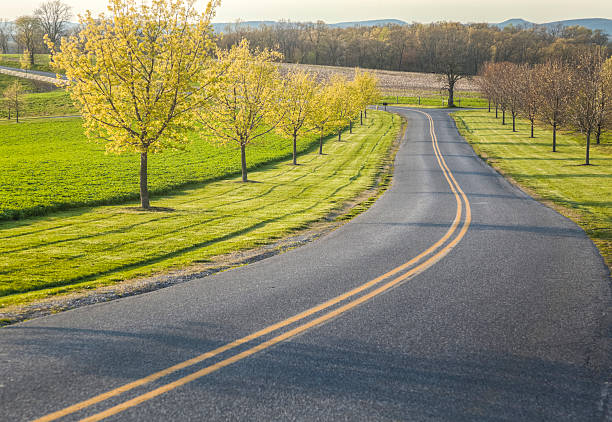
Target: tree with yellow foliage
<point x="13" y="97"/>
<point x="340" y="100"/>
<point x="24" y="60"/>
<point x="322" y="115"/>
<point x="139" y="74"/>
<point x="243" y="105"/>
<point x="297" y="104"/>
<point x="366" y="85"/>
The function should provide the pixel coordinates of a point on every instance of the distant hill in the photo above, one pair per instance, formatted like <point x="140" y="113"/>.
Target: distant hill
<point x="220" y="27"/>
<point x="593" y="24"/>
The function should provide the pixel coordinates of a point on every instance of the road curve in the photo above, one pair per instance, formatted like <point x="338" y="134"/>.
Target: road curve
<point x="455" y="297"/>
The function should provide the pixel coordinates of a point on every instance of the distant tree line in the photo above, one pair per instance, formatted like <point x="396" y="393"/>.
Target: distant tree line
<point x="571" y="94"/>
<point x="416" y="47"/>
<point x="51" y="18"/>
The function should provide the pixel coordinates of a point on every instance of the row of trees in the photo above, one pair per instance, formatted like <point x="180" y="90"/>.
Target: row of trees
<point x="51" y="18"/>
<point x="573" y="95"/>
<point x="148" y="74"/>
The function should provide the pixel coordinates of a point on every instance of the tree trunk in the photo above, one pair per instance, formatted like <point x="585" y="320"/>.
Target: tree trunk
<point x="532" y="128"/>
<point x="489" y="105"/>
<point x="513" y="122"/>
<point x="598" y="133"/>
<point x="451" y="95"/>
<point x="351" y="126"/>
<point x="496" y="109"/>
<point x="340" y="135"/>
<point x="588" y="148"/>
<point x="243" y="161"/>
<point x="362" y="118"/>
<point x="144" y="186"/>
<point x="365" y="113"/>
<point x="31" y="60"/>
<point x="555" y="137"/>
<point x="503" y="116"/>
<point x="321" y="143"/>
<point x="294" y="149"/>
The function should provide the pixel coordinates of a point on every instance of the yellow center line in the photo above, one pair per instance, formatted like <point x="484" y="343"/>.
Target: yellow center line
<point x="127" y="387"/>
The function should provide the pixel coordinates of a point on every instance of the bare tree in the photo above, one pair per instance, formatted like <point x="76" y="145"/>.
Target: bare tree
<point x="510" y="85"/>
<point x="54" y="16"/>
<point x="586" y="99"/>
<point x="28" y="35"/>
<point x="528" y="91"/>
<point x="606" y="119"/>
<point x="5" y="35"/>
<point x="448" y="57"/>
<point x="490" y="83"/>
<point x="554" y="92"/>
<point x="604" y="88"/>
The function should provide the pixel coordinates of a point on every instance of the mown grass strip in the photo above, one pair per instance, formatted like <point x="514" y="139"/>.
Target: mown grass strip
<point x="582" y="193"/>
<point x="48" y="165"/>
<point x="86" y="248"/>
<point x="462" y="99"/>
<point x="41" y="61"/>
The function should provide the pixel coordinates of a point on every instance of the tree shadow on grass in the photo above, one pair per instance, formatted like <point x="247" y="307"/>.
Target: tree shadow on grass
<point x="148" y="210"/>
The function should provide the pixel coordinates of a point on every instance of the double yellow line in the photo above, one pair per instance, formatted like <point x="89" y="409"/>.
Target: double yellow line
<point x="413" y="267"/>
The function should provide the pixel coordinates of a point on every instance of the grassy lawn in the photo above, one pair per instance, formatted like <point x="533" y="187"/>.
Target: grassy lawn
<point x="48" y="165"/>
<point x="41" y="61"/>
<point x="44" y="104"/>
<point x="88" y="247"/>
<point x="39" y="100"/>
<point x="582" y="193"/>
<point x="462" y="99"/>
<point x="6" y="80"/>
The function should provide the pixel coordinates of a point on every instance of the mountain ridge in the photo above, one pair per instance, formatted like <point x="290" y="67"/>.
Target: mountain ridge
<point x="602" y="24"/>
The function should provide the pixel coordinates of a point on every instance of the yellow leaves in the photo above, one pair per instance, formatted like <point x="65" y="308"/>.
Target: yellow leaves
<point x="297" y="103"/>
<point x="24" y="60"/>
<point x="241" y="104"/>
<point x="137" y="74"/>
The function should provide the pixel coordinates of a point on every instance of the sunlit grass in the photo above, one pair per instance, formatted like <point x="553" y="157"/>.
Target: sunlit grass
<point x="49" y="165"/>
<point x="462" y="99"/>
<point x="41" y="61"/>
<point x="583" y="193"/>
<point x="90" y="247"/>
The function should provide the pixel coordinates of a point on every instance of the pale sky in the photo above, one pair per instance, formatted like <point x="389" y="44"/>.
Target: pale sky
<point x="330" y="11"/>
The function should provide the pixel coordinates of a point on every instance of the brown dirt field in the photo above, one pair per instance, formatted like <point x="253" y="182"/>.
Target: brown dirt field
<point x="391" y="82"/>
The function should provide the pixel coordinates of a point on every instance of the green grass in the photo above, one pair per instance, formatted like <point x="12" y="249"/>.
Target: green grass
<point x="582" y="193"/>
<point x="85" y="248"/>
<point x="41" y="61"/>
<point x="43" y="104"/>
<point x="49" y="165"/>
<point x="462" y="99"/>
<point x="6" y="80"/>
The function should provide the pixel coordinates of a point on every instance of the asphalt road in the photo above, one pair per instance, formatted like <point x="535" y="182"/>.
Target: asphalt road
<point x="501" y="317"/>
<point x="32" y="72"/>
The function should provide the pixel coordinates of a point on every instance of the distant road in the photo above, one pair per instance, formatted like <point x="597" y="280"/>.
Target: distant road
<point x="37" y="75"/>
<point x="456" y="297"/>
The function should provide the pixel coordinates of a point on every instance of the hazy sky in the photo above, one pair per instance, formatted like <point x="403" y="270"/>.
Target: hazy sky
<point x="330" y="11"/>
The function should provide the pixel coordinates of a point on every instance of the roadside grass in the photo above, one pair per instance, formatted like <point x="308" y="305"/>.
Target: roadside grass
<point x="90" y="247"/>
<point x="462" y="99"/>
<point x="49" y="165"/>
<point x="6" y="80"/>
<point x="582" y="193"/>
<point x="44" y="104"/>
<point x="41" y="61"/>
